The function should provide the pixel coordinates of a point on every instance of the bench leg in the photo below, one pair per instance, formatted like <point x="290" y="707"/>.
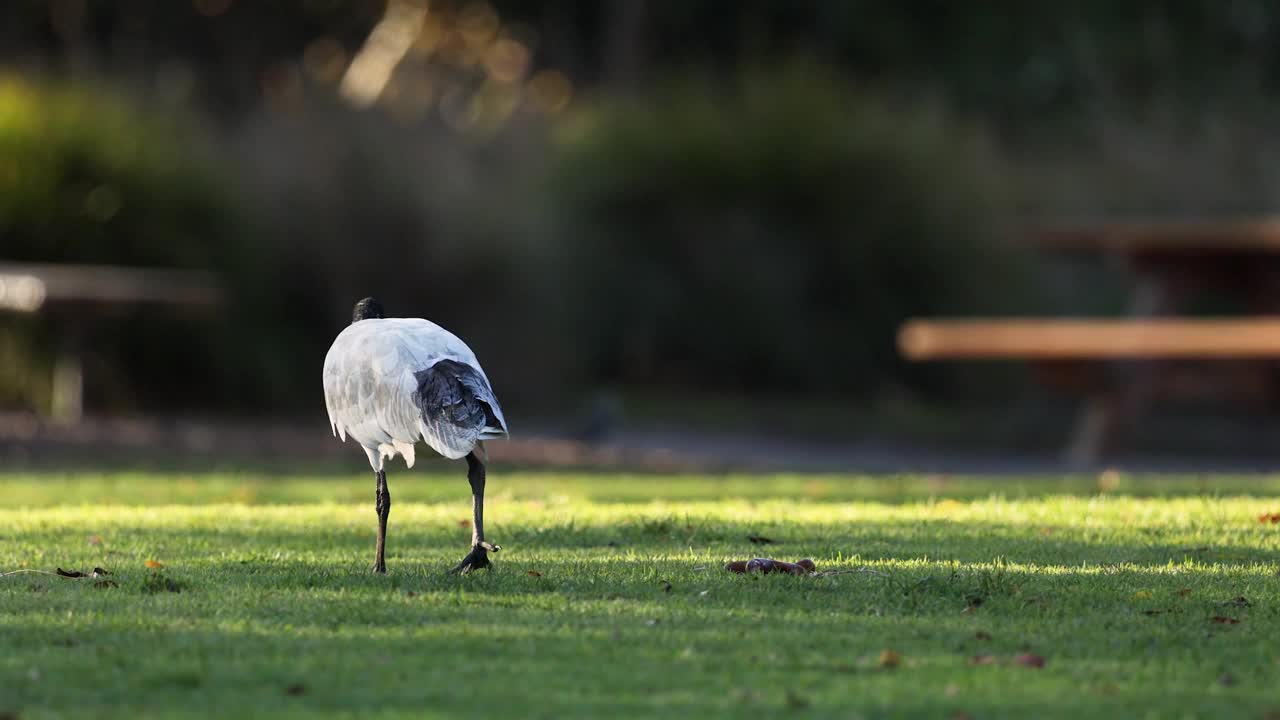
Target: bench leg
<point x="1094" y="431"/>
<point x="67" y="402"/>
<point x="1104" y="417"/>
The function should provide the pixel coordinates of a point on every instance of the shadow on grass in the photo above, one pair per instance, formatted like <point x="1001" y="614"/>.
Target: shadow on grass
<point x="596" y="635"/>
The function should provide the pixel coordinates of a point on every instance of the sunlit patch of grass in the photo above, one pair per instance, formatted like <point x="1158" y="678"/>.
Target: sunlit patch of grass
<point x="1157" y="597"/>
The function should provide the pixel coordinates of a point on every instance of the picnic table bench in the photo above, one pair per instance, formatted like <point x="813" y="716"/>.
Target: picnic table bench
<point x="1122" y="364"/>
<point x="71" y="294"/>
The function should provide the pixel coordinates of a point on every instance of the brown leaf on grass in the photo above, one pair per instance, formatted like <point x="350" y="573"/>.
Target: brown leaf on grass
<point x="1030" y="660"/>
<point x="464" y="522"/>
<point x="534" y="573"/>
<point x="1184" y="592"/>
<point x="795" y="700"/>
<point x="154" y="564"/>
<point x="296" y="689"/>
<point x="1272" y="518"/>
<point x="95" y="539"/>
<point x="1224" y="620"/>
<point x="888" y="659"/>
<point x="760" y="540"/>
<point x="982" y="660"/>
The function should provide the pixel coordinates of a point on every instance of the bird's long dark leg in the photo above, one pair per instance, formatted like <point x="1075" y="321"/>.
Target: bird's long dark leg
<point x="480" y="548"/>
<point x="383" y="506"/>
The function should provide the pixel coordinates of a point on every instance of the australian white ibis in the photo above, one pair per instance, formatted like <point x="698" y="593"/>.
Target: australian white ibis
<point x="390" y="382"/>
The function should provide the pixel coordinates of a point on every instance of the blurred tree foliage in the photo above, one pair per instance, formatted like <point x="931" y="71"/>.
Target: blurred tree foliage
<point x="773" y="233"/>
<point x="1018" y="62"/>
<point x="752" y="224"/>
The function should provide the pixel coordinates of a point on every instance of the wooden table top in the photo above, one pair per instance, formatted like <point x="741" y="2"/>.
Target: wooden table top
<point x="26" y="287"/>
<point x="1256" y="236"/>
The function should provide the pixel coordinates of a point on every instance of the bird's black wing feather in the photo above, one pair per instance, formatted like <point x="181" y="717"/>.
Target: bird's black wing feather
<point x="454" y="393"/>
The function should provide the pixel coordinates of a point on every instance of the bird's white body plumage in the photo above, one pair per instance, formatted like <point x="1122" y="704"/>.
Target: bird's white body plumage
<point x="370" y="378"/>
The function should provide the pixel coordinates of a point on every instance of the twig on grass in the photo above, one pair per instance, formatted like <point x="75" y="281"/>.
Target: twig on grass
<point x="97" y="572"/>
<point x="34" y="572"/>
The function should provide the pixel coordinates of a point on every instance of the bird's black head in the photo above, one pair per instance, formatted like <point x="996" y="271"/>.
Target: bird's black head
<point x="366" y="309"/>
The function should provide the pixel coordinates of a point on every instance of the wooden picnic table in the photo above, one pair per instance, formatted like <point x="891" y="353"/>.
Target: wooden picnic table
<point x="1173" y="261"/>
<point x="71" y="294"/>
<point x="1156" y="350"/>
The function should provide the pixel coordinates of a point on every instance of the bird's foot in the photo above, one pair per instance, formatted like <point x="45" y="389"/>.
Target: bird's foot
<point x="477" y="558"/>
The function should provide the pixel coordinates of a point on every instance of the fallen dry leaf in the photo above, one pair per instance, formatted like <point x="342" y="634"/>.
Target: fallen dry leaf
<point x="1030" y="660"/>
<point x="1142" y="595"/>
<point x="154" y="564"/>
<point x="464" y="522"/>
<point x="1224" y="620"/>
<point x="796" y="701"/>
<point x="1184" y="592"/>
<point x="1272" y="518"/>
<point x="534" y="573"/>
<point x="95" y="539"/>
<point x="889" y="659"/>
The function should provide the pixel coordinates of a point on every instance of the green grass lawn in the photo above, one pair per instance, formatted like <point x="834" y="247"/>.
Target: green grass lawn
<point x="609" y="597"/>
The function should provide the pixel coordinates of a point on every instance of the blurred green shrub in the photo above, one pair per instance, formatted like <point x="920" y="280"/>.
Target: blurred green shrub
<point x="87" y="177"/>
<point x="775" y="234"/>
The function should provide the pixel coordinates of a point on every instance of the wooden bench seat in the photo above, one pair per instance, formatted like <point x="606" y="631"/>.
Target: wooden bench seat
<point x="1077" y="339"/>
<point x="1071" y="352"/>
